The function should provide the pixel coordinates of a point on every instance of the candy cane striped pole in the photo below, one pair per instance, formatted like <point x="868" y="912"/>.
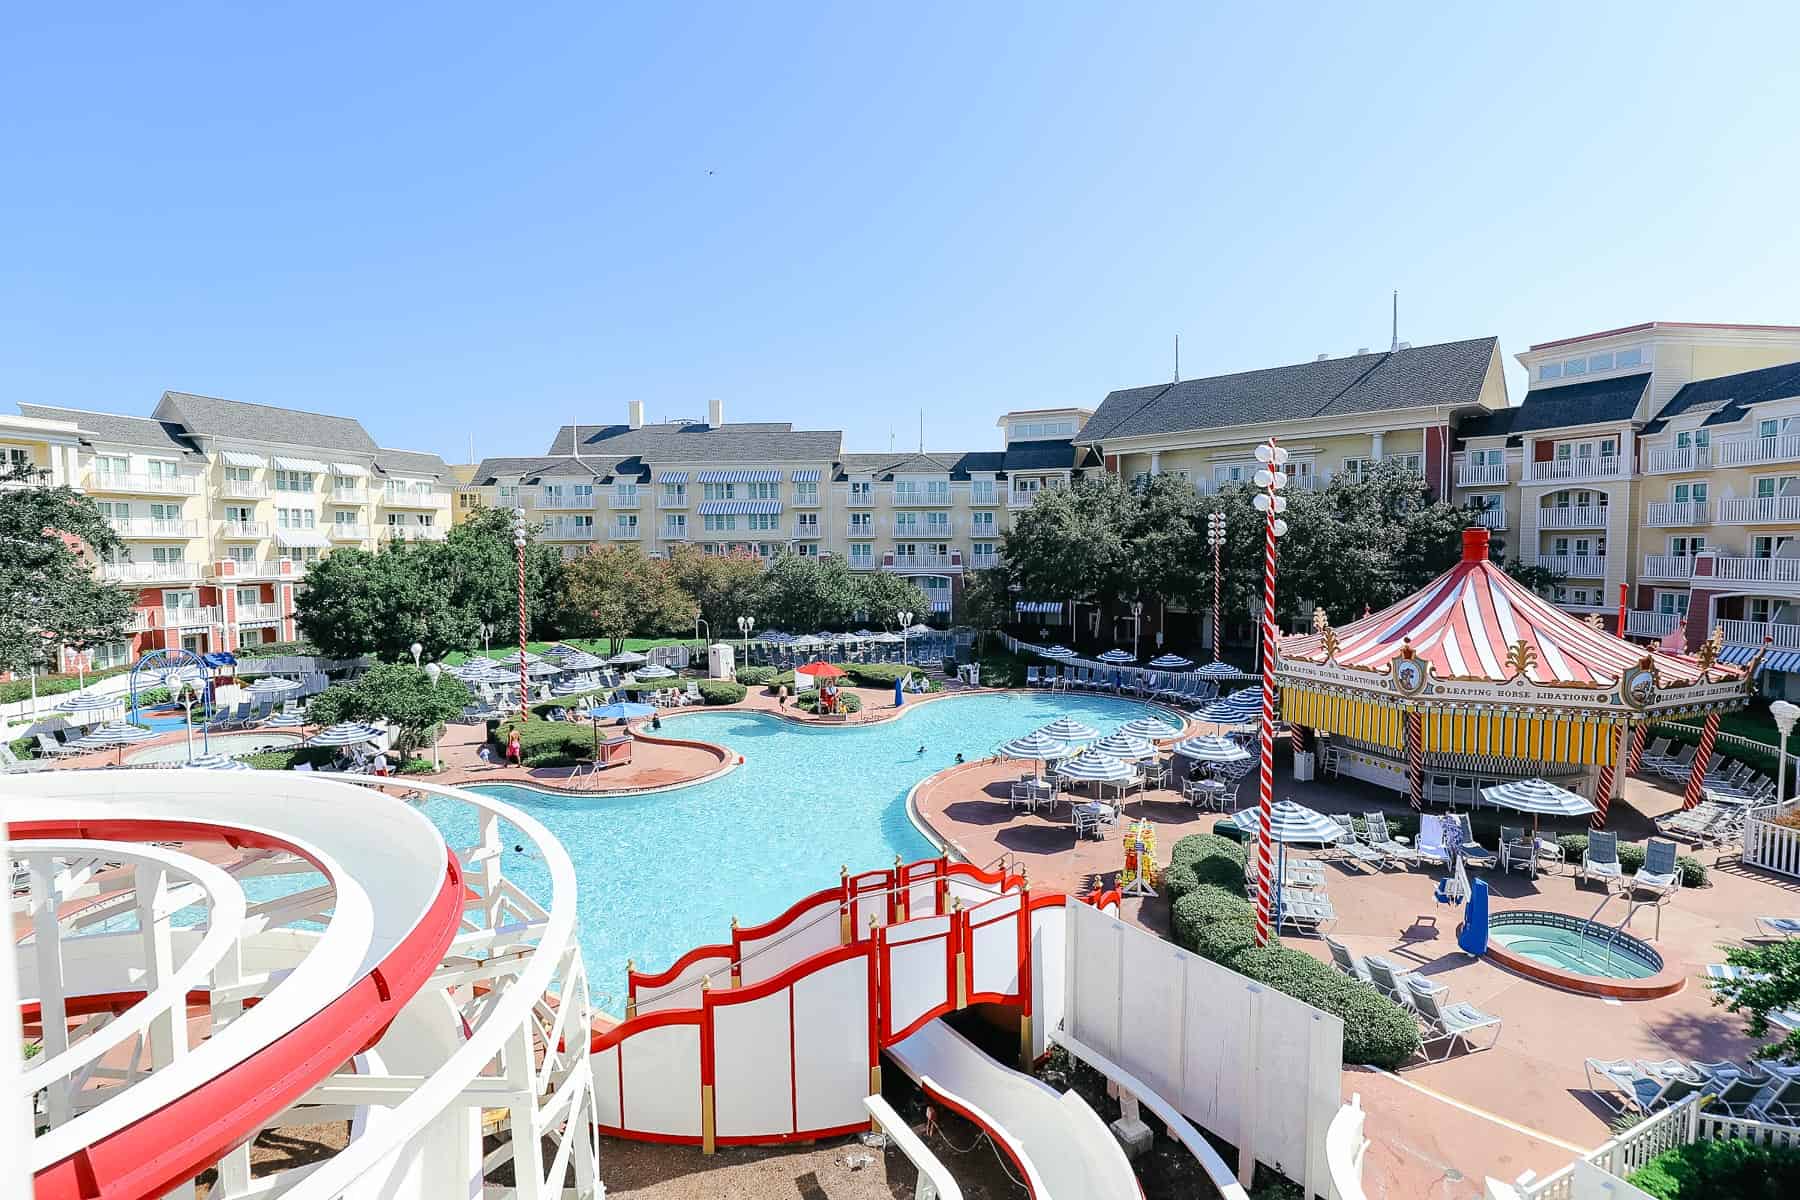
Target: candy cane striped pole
<point x="1415" y="759"/>
<point x="519" y="545"/>
<point x="1608" y="773"/>
<point x="1637" y="750"/>
<point x="1265" y="864"/>
<point x="1218" y="613"/>
<point x="1696" y="784"/>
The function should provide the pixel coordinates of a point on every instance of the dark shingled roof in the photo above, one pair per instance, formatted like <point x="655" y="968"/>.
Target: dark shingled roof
<point x="1488" y="423"/>
<point x="490" y="471"/>
<point x="1056" y="455"/>
<point x="1588" y="403"/>
<point x="162" y="437"/>
<point x="208" y="416"/>
<point x="758" y="441"/>
<point x="1731" y="395"/>
<point x="1419" y="376"/>
<point x="410" y="462"/>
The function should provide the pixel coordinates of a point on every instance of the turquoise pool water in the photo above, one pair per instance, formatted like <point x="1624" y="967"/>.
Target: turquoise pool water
<point x="1568" y="948"/>
<point x="662" y="873"/>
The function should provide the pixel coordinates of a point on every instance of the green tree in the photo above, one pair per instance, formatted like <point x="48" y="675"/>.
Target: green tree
<point x="50" y="538"/>
<point x="616" y="592"/>
<point x="985" y="604"/>
<point x="725" y="586"/>
<point x="403" y="695"/>
<point x="1772" y="986"/>
<point x="802" y="594"/>
<point x="881" y="595"/>
<point x="484" y="574"/>
<point x="1075" y="544"/>
<point x="356" y="602"/>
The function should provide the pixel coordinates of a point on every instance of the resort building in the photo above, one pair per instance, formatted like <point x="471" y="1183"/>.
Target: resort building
<point x="1661" y="458"/>
<point x="765" y="488"/>
<point x="222" y="506"/>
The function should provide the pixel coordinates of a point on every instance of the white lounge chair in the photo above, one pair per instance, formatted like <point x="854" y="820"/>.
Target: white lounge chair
<point x="1660" y="875"/>
<point x="1353" y="849"/>
<point x="1779" y="927"/>
<point x="1601" y="858"/>
<point x="1447" y="1023"/>
<point x="1645" y="1086"/>
<point x="1383" y="843"/>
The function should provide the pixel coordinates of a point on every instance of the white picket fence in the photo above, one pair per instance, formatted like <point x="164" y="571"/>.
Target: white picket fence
<point x="1768" y="845"/>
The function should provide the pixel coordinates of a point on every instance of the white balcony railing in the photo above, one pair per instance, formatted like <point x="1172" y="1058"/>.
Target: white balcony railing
<point x="1607" y="466"/>
<point x="1668" y="566"/>
<point x="989" y="498"/>
<point x="125" y="481"/>
<point x="1573" y="516"/>
<point x="861" y="562"/>
<point x="862" y="529"/>
<point x="860" y="500"/>
<point x="925" y="562"/>
<point x="1757" y="570"/>
<point x="625" y="533"/>
<point x="1643" y="622"/>
<point x="560" y="531"/>
<point x="415" y="497"/>
<point x="664" y="500"/>
<point x="243" y="489"/>
<point x="1748" y="452"/>
<point x="153" y="527"/>
<point x="251" y="614"/>
<point x="188" y="616"/>
<point x="1575" y="566"/>
<point x="984" y="562"/>
<point x="347" y="531"/>
<point x="808" y="530"/>
<point x="1491" y="518"/>
<point x="1666" y="514"/>
<point x="1479" y="474"/>
<point x="674" y="533"/>
<point x="349" y="495"/>
<point x="1020" y="499"/>
<point x="617" y="501"/>
<point x="1752" y="633"/>
<point x="1759" y="510"/>
<point x="555" y="501"/>
<point x="148" y="572"/>
<point x="922" y="499"/>
<point x="241" y="531"/>
<point x="1664" y="460"/>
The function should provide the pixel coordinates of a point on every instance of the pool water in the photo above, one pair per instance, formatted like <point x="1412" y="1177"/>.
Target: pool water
<point x="1571" y="950"/>
<point x="662" y="873"/>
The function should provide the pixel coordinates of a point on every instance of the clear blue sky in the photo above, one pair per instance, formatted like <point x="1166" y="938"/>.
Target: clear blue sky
<point x="490" y="219"/>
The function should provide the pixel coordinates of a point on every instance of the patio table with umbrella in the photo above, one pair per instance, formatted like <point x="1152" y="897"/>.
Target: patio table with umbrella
<point x="1115" y="658"/>
<point x="85" y="707"/>
<point x="1243" y="707"/>
<point x="1213" y="750"/>
<point x="344" y="733"/>
<point x="1091" y="766"/>
<point x="113" y="733"/>
<point x="1068" y="729"/>
<point x="655" y="671"/>
<point x="1219" y="670"/>
<point x="1288" y="823"/>
<point x="1171" y="662"/>
<point x="581" y="660"/>
<point x="1037" y="747"/>
<point x="1540" y="798"/>
<point x="627" y="658"/>
<point x="1151" y="729"/>
<point x="215" y="762"/>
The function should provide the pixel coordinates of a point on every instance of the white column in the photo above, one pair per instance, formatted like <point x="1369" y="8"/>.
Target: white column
<point x="1375" y="444"/>
<point x="1156" y="462"/>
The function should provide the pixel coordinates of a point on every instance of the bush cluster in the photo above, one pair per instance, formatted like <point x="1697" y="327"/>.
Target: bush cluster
<point x="1631" y="857"/>
<point x="883" y="675"/>
<point x="281" y="760"/>
<point x="278" y="650"/>
<point x="52" y="685"/>
<point x="755" y="676"/>
<point x="549" y="743"/>
<point x="847" y="702"/>
<point x="1731" y="1167"/>
<point x="1210" y="916"/>
<point x="721" y="691"/>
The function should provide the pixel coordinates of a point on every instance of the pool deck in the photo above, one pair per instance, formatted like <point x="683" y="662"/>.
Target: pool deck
<point x="1523" y="1105"/>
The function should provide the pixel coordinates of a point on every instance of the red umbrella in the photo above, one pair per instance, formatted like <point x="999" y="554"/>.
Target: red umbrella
<point x="821" y="670"/>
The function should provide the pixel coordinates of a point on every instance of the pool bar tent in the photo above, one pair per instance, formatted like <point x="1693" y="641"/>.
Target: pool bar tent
<point x="1475" y="674"/>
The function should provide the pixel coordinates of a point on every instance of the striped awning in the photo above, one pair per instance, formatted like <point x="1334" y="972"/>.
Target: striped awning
<point x="1038" y="606"/>
<point x="300" y="537"/>
<point x="312" y="465"/>
<point x="728" y="508"/>
<point x="739" y="477"/>
<point x="1774" y="660"/>
<point x="672" y="477"/>
<point x="1537" y="737"/>
<point x="348" y="470"/>
<point x="805" y="477"/>
<point x="240" y="458"/>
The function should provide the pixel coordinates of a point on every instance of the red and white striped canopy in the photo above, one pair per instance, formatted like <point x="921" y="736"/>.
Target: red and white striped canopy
<point x="1466" y="622"/>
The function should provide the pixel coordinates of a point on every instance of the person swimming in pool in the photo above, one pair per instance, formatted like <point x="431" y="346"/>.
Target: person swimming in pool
<point x="921" y="752"/>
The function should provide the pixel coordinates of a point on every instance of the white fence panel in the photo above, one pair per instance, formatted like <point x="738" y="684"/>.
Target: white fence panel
<point x="994" y="945"/>
<point x="832" y="1040"/>
<point x="684" y="990"/>
<point x="812" y="930"/>
<point x="1770" y="846"/>
<point x="753" y="1058"/>
<point x="1048" y="925"/>
<point x="659" y="1076"/>
<point x="1255" y="1067"/>
<point x="916" y="973"/>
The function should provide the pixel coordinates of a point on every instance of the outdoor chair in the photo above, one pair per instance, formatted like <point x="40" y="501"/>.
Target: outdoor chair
<point x="1432" y="847"/>
<point x="1306" y="911"/>
<point x="1343" y="960"/>
<point x="1472" y="851"/>
<point x="1645" y="1086"/>
<point x="1780" y="1104"/>
<point x="1447" y="1023"/>
<point x="1354" y="849"/>
<point x="1462" y="791"/>
<point x="1033" y="677"/>
<point x="1390" y="981"/>
<point x="1601" y="858"/>
<point x="692" y="695"/>
<point x="11" y="764"/>
<point x="47" y="744"/>
<point x="1769" y="927"/>
<point x="1735" y="1089"/>
<point x="1660" y="876"/>
<point x="1384" y="844"/>
<point x="1516" y="851"/>
<point x="1677" y="767"/>
<point x="1656" y="752"/>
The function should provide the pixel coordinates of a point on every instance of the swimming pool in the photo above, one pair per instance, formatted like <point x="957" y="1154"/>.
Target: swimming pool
<point x="229" y="744"/>
<point x="662" y="873"/>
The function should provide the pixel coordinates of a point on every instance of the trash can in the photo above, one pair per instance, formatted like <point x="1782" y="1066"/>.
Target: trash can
<point x="1303" y="765"/>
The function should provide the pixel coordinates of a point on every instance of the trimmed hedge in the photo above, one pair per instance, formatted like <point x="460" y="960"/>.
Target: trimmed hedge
<point x="847" y="702"/>
<point x="883" y="675"/>
<point x="755" y="676"/>
<point x="1631" y="857"/>
<point x="1210" y="916"/>
<point x="721" y="691"/>
<point x="549" y="743"/>
<point x="282" y="760"/>
<point x="1731" y="1167"/>
<point x="577" y="704"/>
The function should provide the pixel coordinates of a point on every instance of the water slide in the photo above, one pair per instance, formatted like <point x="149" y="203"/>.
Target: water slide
<point x="1058" y="1145"/>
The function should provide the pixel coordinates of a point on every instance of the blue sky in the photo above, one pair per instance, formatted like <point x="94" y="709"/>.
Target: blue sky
<point x="482" y="221"/>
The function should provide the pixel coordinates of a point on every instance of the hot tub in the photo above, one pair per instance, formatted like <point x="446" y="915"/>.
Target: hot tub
<point x="229" y="744"/>
<point x="1580" y="955"/>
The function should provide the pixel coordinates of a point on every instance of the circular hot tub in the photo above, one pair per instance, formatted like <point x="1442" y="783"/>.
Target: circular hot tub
<point x="229" y="744"/>
<point x="1579" y="955"/>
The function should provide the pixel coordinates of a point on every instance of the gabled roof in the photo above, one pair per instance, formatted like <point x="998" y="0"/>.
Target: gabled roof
<point x="490" y="471"/>
<point x="1057" y="455"/>
<point x="1451" y="373"/>
<point x="410" y="462"/>
<point x="886" y="466"/>
<point x="1590" y="403"/>
<point x="209" y="416"/>
<point x="756" y="441"/>
<point x="1730" y="395"/>
<point x="1491" y="422"/>
<point x="162" y="437"/>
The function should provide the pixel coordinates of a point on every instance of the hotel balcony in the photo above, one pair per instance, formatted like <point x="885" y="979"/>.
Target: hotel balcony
<point x="1759" y="510"/>
<point x="150" y="485"/>
<point x="860" y="562"/>
<point x="983" y="562"/>
<point x="241" y="489"/>
<point x="665" y="501"/>
<point x="1480" y="474"/>
<point x="243" y="531"/>
<point x="922" y="533"/>
<point x="1575" y="516"/>
<point x="1491" y="518"/>
<point x="416" y="498"/>
<point x="1559" y="470"/>
<point x="1674" y="514"/>
<point x="1752" y="633"/>
<point x="153" y="527"/>
<point x="569" y="531"/>
<point x="805" y="501"/>
<point x="984" y="533"/>
<point x="861" y="529"/>
<point x="258" y="614"/>
<point x="1020" y="499"/>
<point x="922" y="499"/>
<point x="150" y="572"/>
<point x="1757" y="570"/>
<point x="1756" y="451"/>
<point x="350" y="495"/>
<point x="1669" y="460"/>
<point x="1643" y="622"/>
<point x="674" y="533"/>
<point x="1573" y="566"/>
<point x="181" y="617"/>
<point x="625" y="533"/>
<point x="346" y="531"/>
<point x="1670" y="567"/>
<point x="618" y="502"/>
<point x="861" y="500"/>
<point x="992" y="498"/>
<point x="808" y="531"/>
<point x="566" y="502"/>
<point x="924" y="562"/>
<point x="257" y="568"/>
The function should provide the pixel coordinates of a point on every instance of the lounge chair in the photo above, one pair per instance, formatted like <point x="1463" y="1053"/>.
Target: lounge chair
<point x="1735" y="1089"/>
<point x="1383" y="843"/>
<point x="1354" y="849"/>
<point x="1656" y="752"/>
<point x="1432" y="848"/>
<point x="1645" y="1086"/>
<point x="1660" y="876"/>
<point x="48" y="745"/>
<point x="1471" y="851"/>
<point x="1447" y="1023"/>
<point x="1306" y="910"/>
<point x="1770" y="927"/>
<point x="1033" y="677"/>
<point x="1343" y="960"/>
<point x="1390" y="981"/>
<point x="11" y="764"/>
<point x="1779" y="1104"/>
<point x="692" y="694"/>
<point x="1677" y="767"/>
<point x="1601" y="858"/>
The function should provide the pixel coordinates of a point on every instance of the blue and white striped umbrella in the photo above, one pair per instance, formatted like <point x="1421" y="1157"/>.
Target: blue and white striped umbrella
<point x="1220" y="670"/>
<point x="287" y="720"/>
<point x="627" y="658"/>
<point x="571" y="687"/>
<point x="1171" y="662"/>
<point x="1116" y="657"/>
<point x="275" y="685"/>
<point x="113" y="733"/>
<point x="1094" y="767"/>
<point x="1035" y="746"/>
<point x="1240" y="708"/>
<point x="1212" y="748"/>
<point x="1057" y="652"/>
<point x="1290" y="823"/>
<point x="88" y="702"/>
<point x="1149" y="728"/>
<point x="215" y="762"/>
<point x="1125" y="746"/>
<point x="1068" y="729"/>
<point x="1538" y="796"/>
<point x="581" y="660"/>
<point x="344" y="733"/>
<point x="653" y="671"/>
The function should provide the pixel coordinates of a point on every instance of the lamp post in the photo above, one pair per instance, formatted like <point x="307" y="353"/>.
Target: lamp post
<point x="698" y="622"/>
<point x="416" y="651"/>
<point x="1137" y="624"/>
<point x="519" y="546"/>
<point x="1215" y="537"/>
<point x="905" y="619"/>
<point x="487" y="632"/>
<point x="432" y="672"/>
<point x="745" y="625"/>
<point x="1271" y="503"/>
<point x="1785" y="714"/>
<point x="186" y="693"/>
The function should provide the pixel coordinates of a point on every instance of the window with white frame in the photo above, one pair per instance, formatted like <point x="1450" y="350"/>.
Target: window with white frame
<point x="299" y="481"/>
<point x="984" y="551"/>
<point x="763" y="489"/>
<point x="1043" y="429"/>
<point x="1672" y="602"/>
<point x="109" y="654"/>
<point x="1759" y="609"/>
<point x="862" y="524"/>
<point x="807" y="549"/>
<point x="861" y="554"/>
<point x="241" y="554"/>
<point x="675" y="525"/>
<point x="1764" y="546"/>
<point x="862" y="492"/>
<point x="507" y="495"/>
<point x="1768" y="486"/>
<point x="625" y="494"/>
<point x="625" y="525"/>
<point x="807" y="523"/>
<point x="1683" y="493"/>
<point x="1686" y="546"/>
<point x="906" y="491"/>
<point x="806" y="493"/>
<point x="764" y="521"/>
<point x="981" y="523"/>
<point x="300" y="518"/>
<point x="167" y="554"/>
<point x="906" y="523"/>
<point x="937" y="524"/>
<point x="720" y="522"/>
<point x="1686" y="438"/>
<point x="981" y="491"/>
<point x="937" y="491"/>
<point x="719" y="491"/>
<point x="111" y="465"/>
<point x="674" y="493"/>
